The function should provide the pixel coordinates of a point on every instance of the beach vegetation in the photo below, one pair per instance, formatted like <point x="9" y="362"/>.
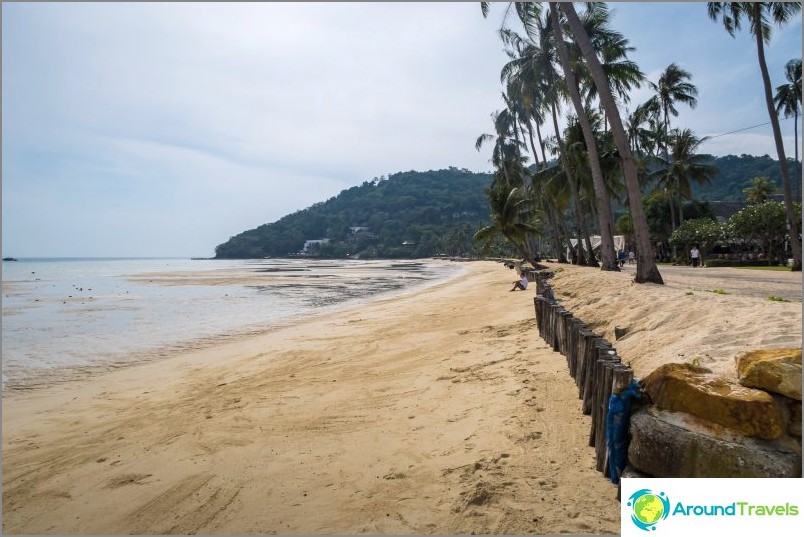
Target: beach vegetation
<point x="764" y="224"/>
<point x="718" y="291"/>
<point x="563" y="57"/>
<point x="777" y="299"/>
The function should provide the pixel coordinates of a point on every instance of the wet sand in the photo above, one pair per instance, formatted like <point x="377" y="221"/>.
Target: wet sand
<point x="439" y="411"/>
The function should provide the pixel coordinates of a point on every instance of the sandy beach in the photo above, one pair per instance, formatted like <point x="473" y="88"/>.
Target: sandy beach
<point x="437" y="411"/>
<point x="707" y="316"/>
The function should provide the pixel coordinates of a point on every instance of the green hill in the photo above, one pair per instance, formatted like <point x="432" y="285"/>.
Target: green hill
<point x="735" y="174"/>
<point x="410" y="214"/>
<point x="421" y="214"/>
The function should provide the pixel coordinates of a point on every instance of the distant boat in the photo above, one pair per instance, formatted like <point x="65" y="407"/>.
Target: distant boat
<point x="10" y="259"/>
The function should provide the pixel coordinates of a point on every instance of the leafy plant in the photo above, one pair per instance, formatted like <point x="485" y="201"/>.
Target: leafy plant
<point x="718" y="291"/>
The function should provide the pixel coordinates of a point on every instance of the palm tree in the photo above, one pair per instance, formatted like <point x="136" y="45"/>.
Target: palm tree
<point x="788" y="96"/>
<point x="607" y="253"/>
<point x="532" y="62"/>
<point x="647" y="271"/>
<point x="510" y="217"/>
<point x="760" y="190"/>
<point x="681" y="168"/>
<point x="673" y="86"/>
<point x="757" y="15"/>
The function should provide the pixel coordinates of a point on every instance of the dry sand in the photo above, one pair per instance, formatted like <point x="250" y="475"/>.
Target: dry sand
<point x="439" y="411"/>
<point x="436" y="412"/>
<point x="684" y="320"/>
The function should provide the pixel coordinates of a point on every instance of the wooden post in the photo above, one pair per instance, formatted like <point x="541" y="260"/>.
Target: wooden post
<point x="581" y="342"/>
<point x="622" y="375"/>
<point x="599" y="388"/>
<point x="600" y="446"/>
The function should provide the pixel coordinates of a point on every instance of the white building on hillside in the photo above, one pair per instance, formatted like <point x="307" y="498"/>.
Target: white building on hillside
<point x="311" y="242"/>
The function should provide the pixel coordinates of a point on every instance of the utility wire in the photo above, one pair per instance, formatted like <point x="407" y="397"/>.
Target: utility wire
<point x="744" y="129"/>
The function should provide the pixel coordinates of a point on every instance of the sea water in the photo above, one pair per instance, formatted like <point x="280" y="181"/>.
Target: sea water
<point x="66" y="317"/>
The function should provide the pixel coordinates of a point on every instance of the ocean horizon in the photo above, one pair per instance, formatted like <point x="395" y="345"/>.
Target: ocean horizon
<point x="66" y="317"/>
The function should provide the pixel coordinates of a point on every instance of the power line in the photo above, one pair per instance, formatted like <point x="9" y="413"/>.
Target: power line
<point x="745" y="128"/>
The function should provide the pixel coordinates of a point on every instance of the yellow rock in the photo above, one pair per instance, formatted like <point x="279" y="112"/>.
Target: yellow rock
<point x="694" y="390"/>
<point x="773" y="370"/>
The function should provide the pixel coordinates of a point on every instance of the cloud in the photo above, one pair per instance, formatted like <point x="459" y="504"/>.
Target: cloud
<point x="171" y="126"/>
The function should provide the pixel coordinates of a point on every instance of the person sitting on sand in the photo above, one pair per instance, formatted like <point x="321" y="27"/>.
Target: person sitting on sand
<point x="522" y="283"/>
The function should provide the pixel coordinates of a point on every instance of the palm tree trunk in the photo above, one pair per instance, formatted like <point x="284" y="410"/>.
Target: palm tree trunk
<point x="795" y="130"/>
<point x="532" y="146"/>
<point x="777" y="137"/>
<point x="580" y="225"/>
<point x="541" y="142"/>
<point x="560" y="235"/>
<point x="646" y="270"/>
<point x="608" y="256"/>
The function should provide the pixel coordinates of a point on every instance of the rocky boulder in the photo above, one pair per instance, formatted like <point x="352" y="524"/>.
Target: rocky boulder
<point x="773" y="370"/>
<point x="694" y="390"/>
<point x="673" y="444"/>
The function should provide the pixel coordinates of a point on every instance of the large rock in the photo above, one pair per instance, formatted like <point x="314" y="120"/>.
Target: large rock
<point x="672" y="444"/>
<point x="795" y="418"/>
<point x="694" y="390"/>
<point x="773" y="370"/>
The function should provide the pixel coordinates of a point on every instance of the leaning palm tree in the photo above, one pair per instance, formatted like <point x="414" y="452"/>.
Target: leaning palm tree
<point x="608" y="256"/>
<point x="788" y="96"/>
<point x="673" y="87"/>
<point x="647" y="271"/>
<point x="757" y="14"/>
<point x="682" y="167"/>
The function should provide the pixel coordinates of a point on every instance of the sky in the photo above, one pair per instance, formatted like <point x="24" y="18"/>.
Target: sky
<point x="163" y="129"/>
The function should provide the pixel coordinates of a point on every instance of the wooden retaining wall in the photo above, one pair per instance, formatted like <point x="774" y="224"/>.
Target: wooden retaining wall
<point x="591" y="360"/>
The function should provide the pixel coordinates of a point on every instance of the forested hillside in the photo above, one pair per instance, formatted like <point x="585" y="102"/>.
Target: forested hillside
<point x="735" y="173"/>
<point x="420" y="214"/>
<point x="410" y="214"/>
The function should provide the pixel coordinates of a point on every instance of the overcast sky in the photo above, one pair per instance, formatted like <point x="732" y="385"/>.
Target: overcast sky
<point x="156" y="129"/>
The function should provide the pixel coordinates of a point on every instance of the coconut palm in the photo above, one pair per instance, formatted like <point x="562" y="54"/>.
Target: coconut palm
<point x="759" y="15"/>
<point x="647" y="271"/>
<point x="511" y="216"/>
<point x="533" y="60"/>
<point x="682" y="167"/>
<point x="760" y="190"/>
<point x="607" y="254"/>
<point x="673" y="87"/>
<point x="788" y="96"/>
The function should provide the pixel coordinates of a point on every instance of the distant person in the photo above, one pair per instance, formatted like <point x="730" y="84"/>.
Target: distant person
<point x="695" y="255"/>
<point x="631" y="257"/>
<point x="521" y="283"/>
<point x="621" y="257"/>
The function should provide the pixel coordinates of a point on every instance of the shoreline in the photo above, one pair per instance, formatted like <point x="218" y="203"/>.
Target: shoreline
<point x="43" y="377"/>
<point x="437" y="411"/>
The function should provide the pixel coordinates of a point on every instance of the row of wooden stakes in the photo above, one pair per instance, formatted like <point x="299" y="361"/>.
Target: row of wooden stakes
<point x="592" y="362"/>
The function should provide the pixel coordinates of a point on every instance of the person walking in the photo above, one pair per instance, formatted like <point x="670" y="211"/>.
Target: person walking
<point x="695" y="255"/>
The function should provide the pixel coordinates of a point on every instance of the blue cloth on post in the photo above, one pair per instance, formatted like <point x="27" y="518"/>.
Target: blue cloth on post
<point x="618" y="420"/>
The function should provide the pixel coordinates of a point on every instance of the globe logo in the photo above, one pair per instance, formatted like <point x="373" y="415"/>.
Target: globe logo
<point x="648" y="508"/>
